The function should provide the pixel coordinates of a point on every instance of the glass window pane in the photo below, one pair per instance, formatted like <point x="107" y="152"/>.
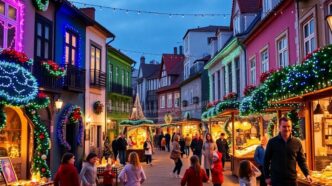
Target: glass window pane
<point x="312" y="26"/>
<point x="73" y="40"/>
<point x="1" y="36"/>
<point x="46" y="45"/>
<point x="2" y="8"/>
<point x="12" y="12"/>
<point x="67" y="37"/>
<point x="39" y="29"/>
<point x="73" y="56"/>
<point x="306" y="31"/>
<point x="313" y="45"/>
<point x="67" y="55"/>
<point x="11" y="37"/>
<point x="92" y="60"/>
<point x="47" y="32"/>
<point x="98" y="59"/>
<point x="38" y="47"/>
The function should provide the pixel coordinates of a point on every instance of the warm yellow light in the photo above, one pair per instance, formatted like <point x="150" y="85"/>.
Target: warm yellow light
<point x="329" y="21"/>
<point x="88" y="120"/>
<point x="58" y="104"/>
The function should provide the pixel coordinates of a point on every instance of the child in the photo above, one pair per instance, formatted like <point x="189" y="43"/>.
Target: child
<point x="195" y="175"/>
<point x="217" y="175"/>
<point x="108" y="175"/>
<point x="132" y="174"/>
<point x="248" y="173"/>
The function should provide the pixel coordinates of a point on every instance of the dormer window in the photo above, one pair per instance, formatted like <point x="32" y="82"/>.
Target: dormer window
<point x="267" y="6"/>
<point x="164" y="78"/>
<point x="237" y="24"/>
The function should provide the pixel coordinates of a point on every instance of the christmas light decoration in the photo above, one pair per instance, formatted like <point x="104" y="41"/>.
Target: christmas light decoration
<point x="136" y="122"/>
<point x="248" y="89"/>
<point x="15" y="57"/>
<point x="71" y="114"/>
<point x="270" y="127"/>
<point x="3" y="118"/>
<point x="53" y="68"/>
<point x="41" y="5"/>
<point x="296" y="127"/>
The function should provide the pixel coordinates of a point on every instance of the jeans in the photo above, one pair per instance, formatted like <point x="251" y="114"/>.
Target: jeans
<point x="223" y="160"/>
<point x="168" y="148"/>
<point x="122" y="157"/>
<point x="148" y="159"/>
<point x="186" y="150"/>
<point x="262" y="177"/>
<point x="178" y="166"/>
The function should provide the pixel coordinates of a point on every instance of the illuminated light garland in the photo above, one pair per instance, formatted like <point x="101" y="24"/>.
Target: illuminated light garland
<point x="228" y="133"/>
<point x="17" y="85"/>
<point x="41" y="5"/>
<point x="41" y="101"/>
<point x="136" y="122"/>
<point x="296" y="127"/>
<point x="15" y="57"/>
<point x="270" y="127"/>
<point x="248" y="90"/>
<point x="219" y="108"/>
<point x="70" y="115"/>
<point x="3" y="118"/>
<point x="53" y="68"/>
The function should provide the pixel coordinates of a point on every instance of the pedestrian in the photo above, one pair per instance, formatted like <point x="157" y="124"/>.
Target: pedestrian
<point x="208" y="149"/>
<point x="194" y="175"/>
<point x="161" y="136"/>
<point x="155" y="141"/>
<point x="148" y="150"/>
<point x="176" y="156"/>
<point x="132" y="174"/>
<point x="67" y="173"/>
<point x="168" y="141"/>
<point x="182" y="145"/>
<point x="248" y="173"/>
<point x="196" y="146"/>
<point x="259" y="159"/>
<point x="115" y="149"/>
<point x="108" y="175"/>
<point x="222" y="147"/>
<point x="89" y="171"/>
<point x="282" y="153"/>
<point x="217" y="169"/>
<point x="187" y="143"/>
<point x="122" y="147"/>
<point x="163" y="144"/>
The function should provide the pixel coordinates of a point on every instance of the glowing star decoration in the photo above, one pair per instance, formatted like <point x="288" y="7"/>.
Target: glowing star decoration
<point x="41" y="5"/>
<point x="17" y="85"/>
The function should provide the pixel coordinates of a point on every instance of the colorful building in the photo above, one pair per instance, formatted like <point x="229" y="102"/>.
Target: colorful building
<point x="119" y="91"/>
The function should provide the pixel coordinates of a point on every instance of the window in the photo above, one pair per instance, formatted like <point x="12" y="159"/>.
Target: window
<point x="237" y="24"/>
<point x="224" y="79"/>
<point x="267" y="7"/>
<point x="111" y="74"/>
<point x="309" y="36"/>
<point x="213" y="87"/>
<point x="163" y="77"/>
<point x="282" y="47"/>
<point x="218" y="84"/>
<point x="253" y="71"/>
<point x="95" y="64"/>
<point x="265" y="60"/>
<point x="177" y="99"/>
<point x="128" y="79"/>
<point x="43" y="38"/>
<point x="191" y="96"/>
<point x="162" y="101"/>
<point x="9" y="27"/>
<point x="70" y="48"/>
<point x="116" y="75"/>
<point x="230" y="79"/>
<point x="169" y="101"/>
<point x="237" y="74"/>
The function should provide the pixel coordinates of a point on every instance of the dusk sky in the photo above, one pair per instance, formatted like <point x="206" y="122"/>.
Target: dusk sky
<point x="155" y="34"/>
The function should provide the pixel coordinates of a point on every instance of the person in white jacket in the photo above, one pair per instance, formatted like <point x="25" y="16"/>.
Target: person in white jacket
<point x="248" y="173"/>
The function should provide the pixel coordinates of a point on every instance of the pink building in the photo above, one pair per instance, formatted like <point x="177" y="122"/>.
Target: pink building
<point x="272" y="42"/>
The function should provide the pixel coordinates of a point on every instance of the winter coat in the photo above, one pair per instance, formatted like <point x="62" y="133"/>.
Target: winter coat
<point x="191" y="178"/>
<point x="67" y="175"/>
<point x="217" y="174"/>
<point x="208" y="149"/>
<point x="196" y="146"/>
<point x="122" y="144"/>
<point x="89" y="174"/>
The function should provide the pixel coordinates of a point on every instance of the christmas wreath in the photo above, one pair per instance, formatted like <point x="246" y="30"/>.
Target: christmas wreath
<point x="98" y="107"/>
<point x="41" y="5"/>
<point x="15" y="57"/>
<point x="53" y="69"/>
<point x="71" y="115"/>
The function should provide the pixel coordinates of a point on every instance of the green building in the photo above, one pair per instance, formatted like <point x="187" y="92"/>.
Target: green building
<point x="119" y="92"/>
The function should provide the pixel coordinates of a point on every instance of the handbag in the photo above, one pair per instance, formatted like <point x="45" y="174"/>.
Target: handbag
<point x="174" y="155"/>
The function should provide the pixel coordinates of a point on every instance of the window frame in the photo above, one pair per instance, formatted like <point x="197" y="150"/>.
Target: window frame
<point x="169" y="100"/>
<point x="230" y="76"/>
<point x="162" y="101"/>
<point x="264" y="63"/>
<point x="44" y="22"/>
<point x="176" y="99"/>
<point x="310" y="36"/>
<point x="278" y="51"/>
<point x="252" y="70"/>
<point x="95" y="71"/>
<point x="71" y="47"/>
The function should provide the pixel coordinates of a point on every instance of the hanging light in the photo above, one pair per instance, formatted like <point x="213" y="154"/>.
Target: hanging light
<point x="329" y="21"/>
<point x="318" y="109"/>
<point x="58" y="104"/>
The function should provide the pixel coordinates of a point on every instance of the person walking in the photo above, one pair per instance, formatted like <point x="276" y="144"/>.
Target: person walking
<point x="208" y="149"/>
<point x="259" y="159"/>
<point x="148" y="150"/>
<point x="122" y="147"/>
<point x="282" y="153"/>
<point x="67" y="173"/>
<point x="161" y="136"/>
<point x="194" y="175"/>
<point x="217" y="169"/>
<point x="168" y="141"/>
<point x="248" y="173"/>
<point x="196" y="147"/>
<point x="222" y="148"/>
<point x="115" y="149"/>
<point x="187" y="143"/>
<point x="182" y="145"/>
<point x="132" y="174"/>
<point x="155" y="141"/>
<point x="176" y="156"/>
<point x="89" y="171"/>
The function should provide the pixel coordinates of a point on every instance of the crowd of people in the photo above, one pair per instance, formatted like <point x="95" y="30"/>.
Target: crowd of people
<point x="276" y="161"/>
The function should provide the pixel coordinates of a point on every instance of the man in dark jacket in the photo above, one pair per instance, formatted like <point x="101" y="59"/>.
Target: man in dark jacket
<point x="168" y="140"/>
<point x="282" y="153"/>
<point x="196" y="146"/>
<point x="222" y="148"/>
<point x="115" y="148"/>
<point x="122" y="147"/>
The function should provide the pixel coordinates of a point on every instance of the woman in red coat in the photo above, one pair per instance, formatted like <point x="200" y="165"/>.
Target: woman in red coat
<point x="195" y="175"/>
<point x="217" y="175"/>
<point x="67" y="174"/>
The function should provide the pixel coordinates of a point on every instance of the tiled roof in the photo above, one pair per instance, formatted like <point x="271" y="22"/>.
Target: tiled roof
<point x="211" y="28"/>
<point x="173" y="63"/>
<point x="249" y="6"/>
<point x="149" y="70"/>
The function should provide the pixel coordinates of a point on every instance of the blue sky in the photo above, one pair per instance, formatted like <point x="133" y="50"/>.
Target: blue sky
<point x="152" y="33"/>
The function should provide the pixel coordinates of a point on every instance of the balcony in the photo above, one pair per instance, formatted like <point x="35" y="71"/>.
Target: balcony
<point x="97" y="78"/>
<point x="196" y="68"/>
<point x="120" y="89"/>
<point x="74" y="80"/>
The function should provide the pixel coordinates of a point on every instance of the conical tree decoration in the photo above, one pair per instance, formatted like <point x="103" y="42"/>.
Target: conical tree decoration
<point x="137" y="113"/>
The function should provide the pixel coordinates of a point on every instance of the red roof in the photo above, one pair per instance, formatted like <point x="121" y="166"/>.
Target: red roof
<point x="173" y="63"/>
<point x="249" y="6"/>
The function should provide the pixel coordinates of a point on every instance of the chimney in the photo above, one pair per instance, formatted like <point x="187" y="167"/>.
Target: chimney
<point x="181" y="50"/>
<point x="175" y="50"/>
<point x="89" y="11"/>
<point x="142" y="59"/>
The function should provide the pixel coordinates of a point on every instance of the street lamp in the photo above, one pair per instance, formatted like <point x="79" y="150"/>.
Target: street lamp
<point x="58" y="104"/>
<point x="329" y="21"/>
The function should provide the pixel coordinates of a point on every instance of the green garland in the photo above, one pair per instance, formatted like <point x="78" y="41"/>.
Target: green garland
<point x="41" y="5"/>
<point x="296" y="127"/>
<point x="3" y="118"/>
<point x="219" y="108"/>
<point x="226" y="129"/>
<point x="136" y="122"/>
<point x="270" y="127"/>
